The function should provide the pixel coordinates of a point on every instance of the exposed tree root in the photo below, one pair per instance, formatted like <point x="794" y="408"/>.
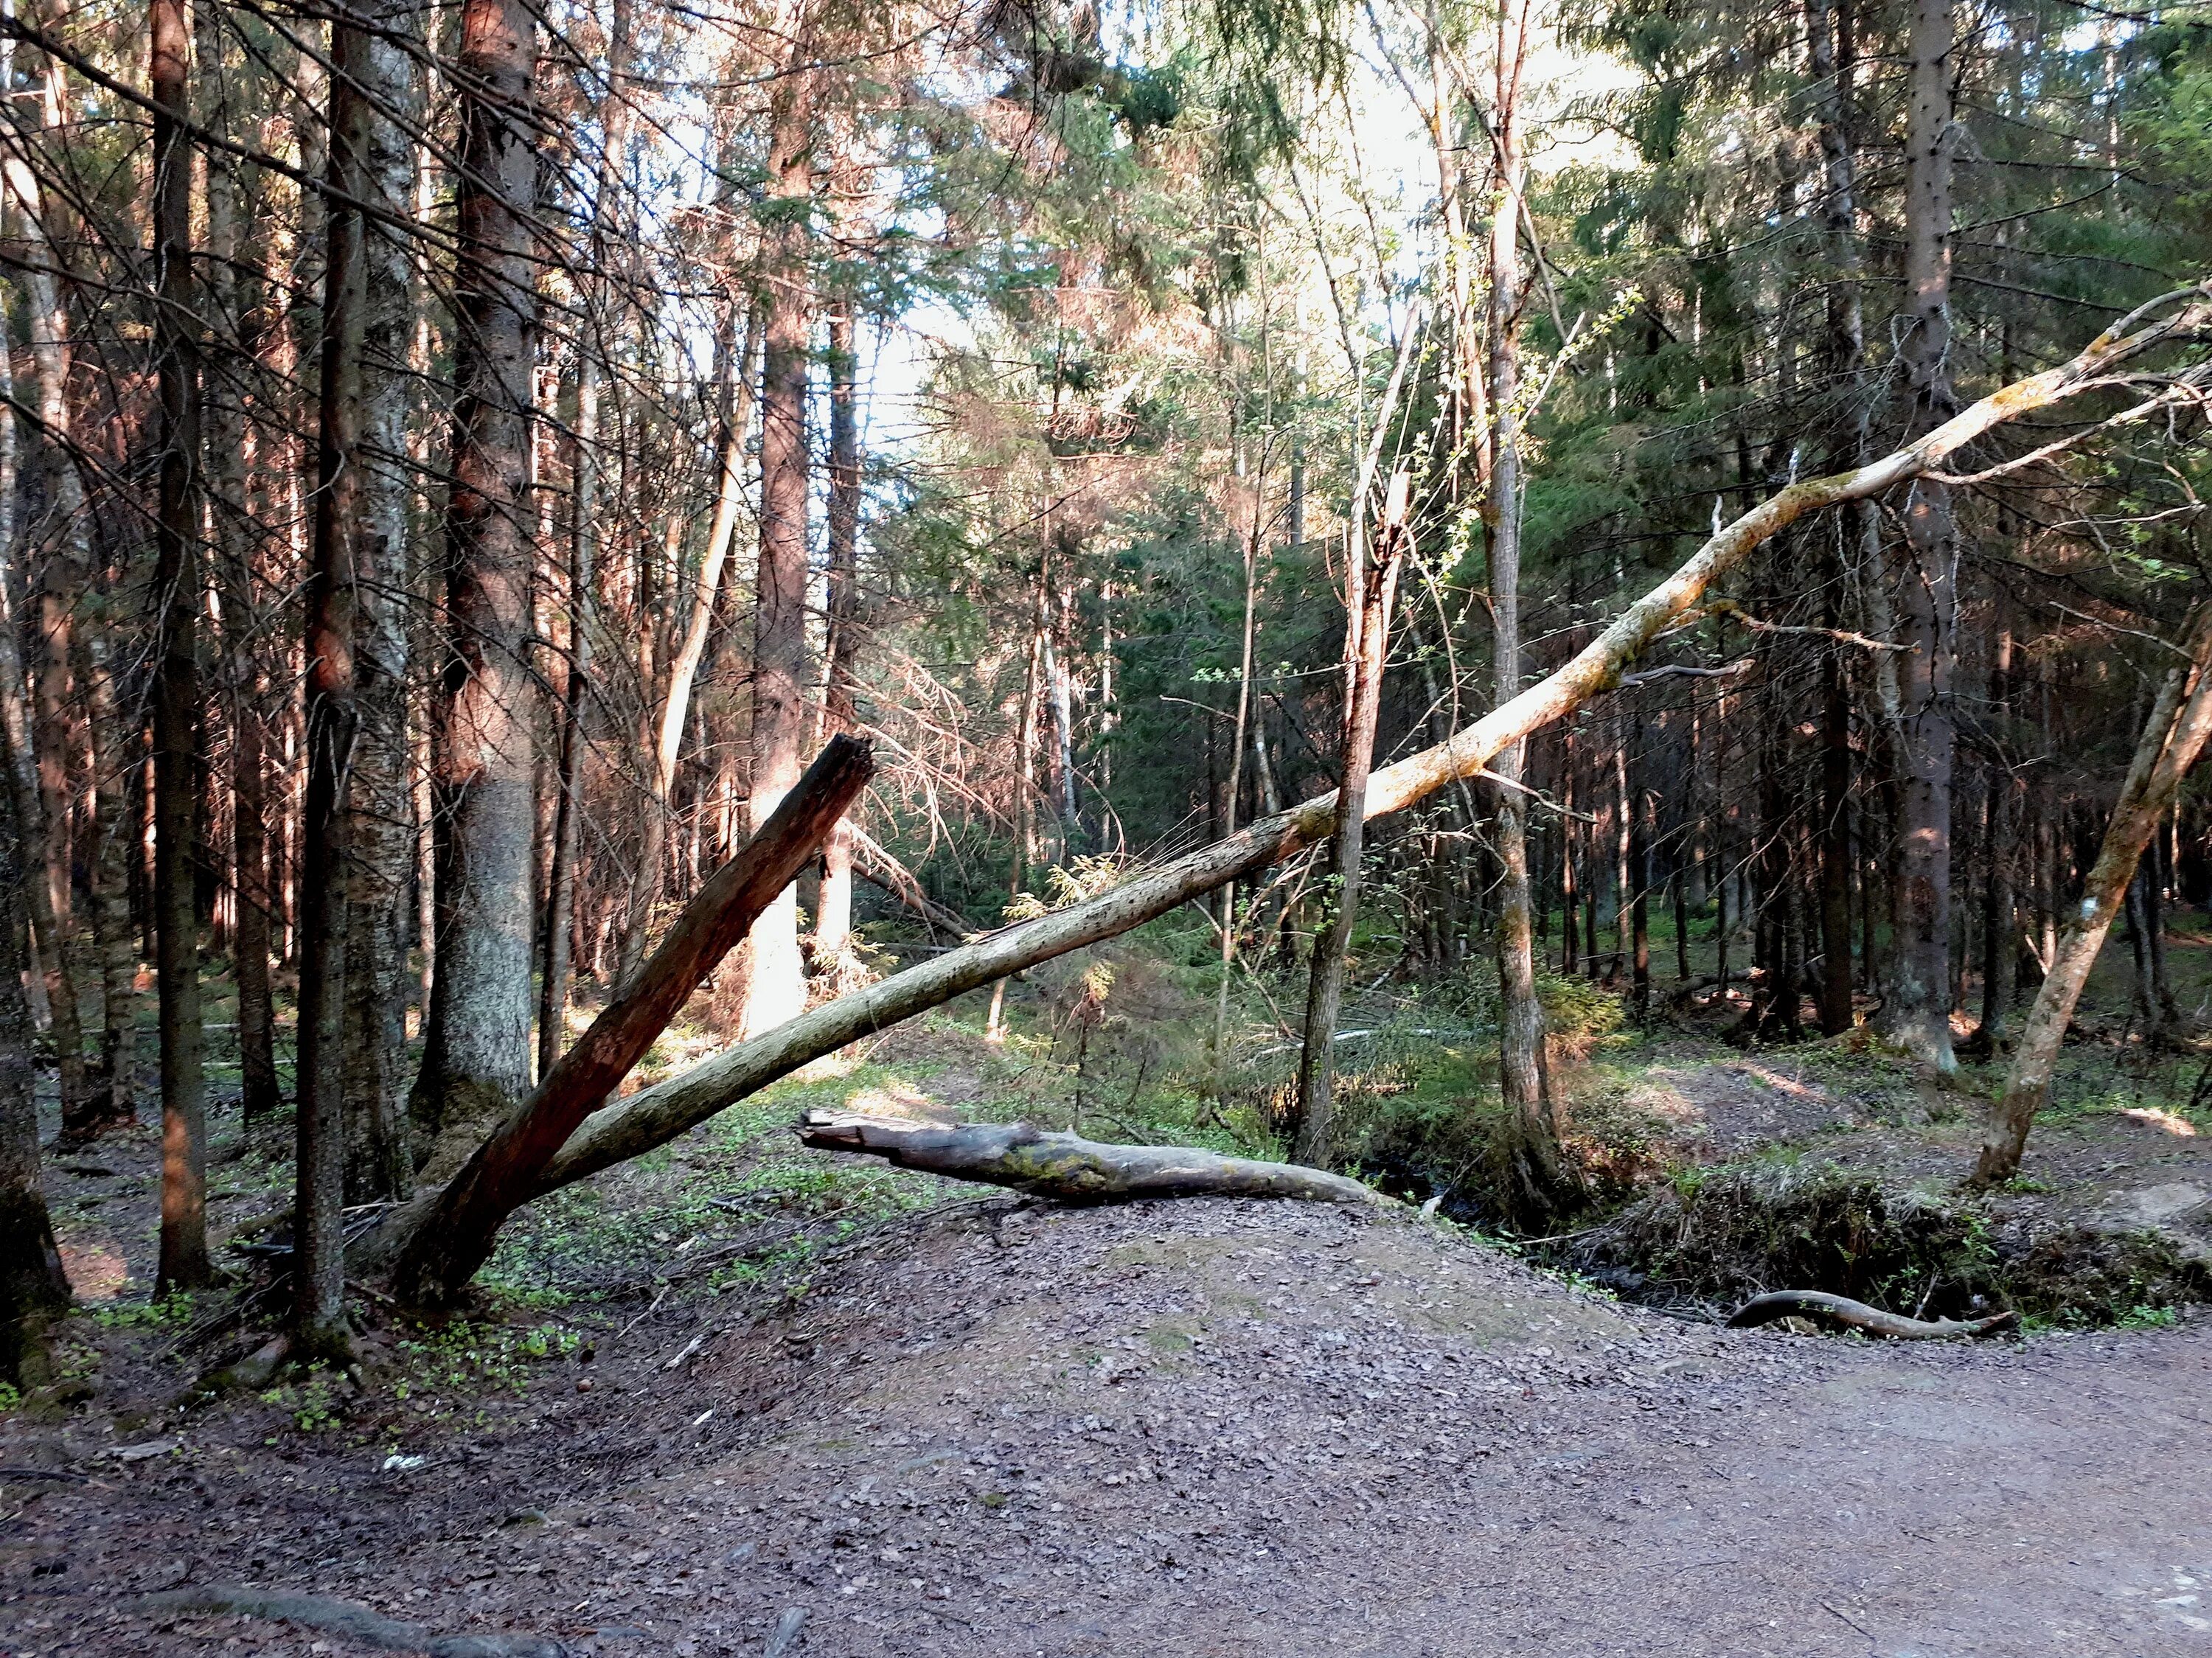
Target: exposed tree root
<point x="1858" y="1315"/>
<point x="1056" y="1165"/>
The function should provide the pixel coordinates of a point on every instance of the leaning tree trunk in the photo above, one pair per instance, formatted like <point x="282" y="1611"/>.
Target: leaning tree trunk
<point x="657" y="1115"/>
<point x="176" y="596"/>
<point x="455" y="1234"/>
<point x="1917" y="1012"/>
<point x="476" y="1061"/>
<point x="2172" y="739"/>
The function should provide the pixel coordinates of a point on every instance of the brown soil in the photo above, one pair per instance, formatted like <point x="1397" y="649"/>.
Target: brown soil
<point x="1202" y="1427"/>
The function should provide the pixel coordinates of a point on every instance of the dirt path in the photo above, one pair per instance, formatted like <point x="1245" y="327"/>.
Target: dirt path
<point x="1201" y="1428"/>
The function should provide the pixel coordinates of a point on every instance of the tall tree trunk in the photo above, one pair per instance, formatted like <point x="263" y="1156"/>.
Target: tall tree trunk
<point x="1917" y="1011"/>
<point x="2172" y="737"/>
<point x="67" y="570"/>
<point x="377" y="836"/>
<point x="1529" y="1170"/>
<point x="22" y="779"/>
<point x="335" y="592"/>
<point x="476" y="1063"/>
<point x="117" y="758"/>
<point x="775" y="987"/>
<point x="692" y="650"/>
<point x="35" y="1290"/>
<point x="1835" y="844"/>
<point x="244" y="675"/>
<point x="555" y="942"/>
<point x="1372" y="583"/>
<point x="833" y="910"/>
<point x="184" y="1256"/>
<point x="2000" y="933"/>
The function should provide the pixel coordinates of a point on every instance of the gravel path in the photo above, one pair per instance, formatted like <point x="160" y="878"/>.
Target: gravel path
<point x="1193" y="1428"/>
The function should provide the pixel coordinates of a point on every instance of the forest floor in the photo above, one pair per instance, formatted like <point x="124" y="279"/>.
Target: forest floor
<point x="739" y="1381"/>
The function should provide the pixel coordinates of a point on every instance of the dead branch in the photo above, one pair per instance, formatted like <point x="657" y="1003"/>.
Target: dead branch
<point x="1858" y="1315"/>
<point x="1055" y="1165"/>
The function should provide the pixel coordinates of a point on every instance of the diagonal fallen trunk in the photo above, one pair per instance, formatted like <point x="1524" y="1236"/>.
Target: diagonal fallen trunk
<point x="661" y="1113"/>
<point x="2172" y="737"/>
<point x="1858" y="1315"/>
<point x="1053" y="1165"/>
<point x="452" y="1234"/>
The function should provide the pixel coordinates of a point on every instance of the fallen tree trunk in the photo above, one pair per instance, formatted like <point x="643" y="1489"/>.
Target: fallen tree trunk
<point x="1046" y="1164"/>
<point x="453" y="1234"/>
<point x="2171" y="738"/>
<point x="659" y="1113"/>
<point x="1858" y="1315"/>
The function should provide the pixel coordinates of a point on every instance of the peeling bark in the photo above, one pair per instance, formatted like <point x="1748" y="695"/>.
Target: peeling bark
<point x="1054" y="1165"/>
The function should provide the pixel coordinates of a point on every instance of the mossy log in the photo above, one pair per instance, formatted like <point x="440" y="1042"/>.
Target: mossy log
<point x="1048" y="1164"/>
<point x="1858" y="1315"/>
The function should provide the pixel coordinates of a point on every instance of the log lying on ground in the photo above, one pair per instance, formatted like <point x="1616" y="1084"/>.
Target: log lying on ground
<point x="657" y="1115"/>
<point x="1048" y="1164"/>
<point x="1858" y="1315"/>
<point x="449" y="1238"/>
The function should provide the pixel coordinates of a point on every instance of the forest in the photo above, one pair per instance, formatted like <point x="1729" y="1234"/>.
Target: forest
<point x="669" y="674"/>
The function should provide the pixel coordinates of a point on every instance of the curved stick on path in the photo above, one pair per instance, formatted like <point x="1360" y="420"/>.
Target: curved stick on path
<point x="1054" y="1165"/>
<point x="1858" y="1315"/>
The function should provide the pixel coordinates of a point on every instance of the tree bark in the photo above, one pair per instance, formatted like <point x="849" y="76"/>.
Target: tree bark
<point x="67" y="570"/>
<point x="455" y="1235"/>
<point x="692" y="650"/>
<point x="1372" y="583"/>
<point x="561" y="879"/>
<point x="379" y="838"/>
<point x="244" y="676"/>
<point x="657" y="1114"/>
<point x="776" y="986"/>
<point x="476" y="1057"/>
<point x="35" y="1290"/>
<point x="1066" y="1166"/>
<point x="2171" y="738"/>
<point x="832" y="909"/>
<point x="1528" y="1171"/>
<point x="176" y="596"/>
<point x="1917" y="1012"/>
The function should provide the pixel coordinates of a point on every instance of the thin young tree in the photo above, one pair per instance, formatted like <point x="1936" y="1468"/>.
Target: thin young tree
<point x="176" y="597"/>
